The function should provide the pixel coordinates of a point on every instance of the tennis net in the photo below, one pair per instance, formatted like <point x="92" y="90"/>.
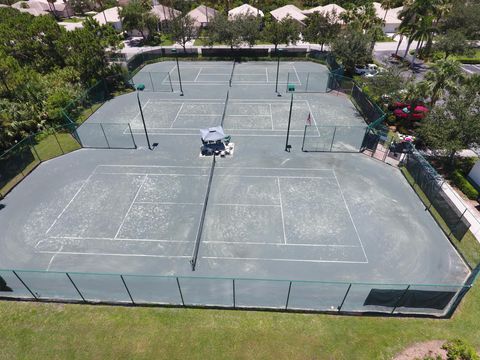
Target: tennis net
<point x="225" y="108"/>
<point x="231" y="75"/>
<point x="193" y="260"/>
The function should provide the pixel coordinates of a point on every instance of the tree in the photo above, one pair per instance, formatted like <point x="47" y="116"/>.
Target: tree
<point x="249" y="28"/>
<point x="8" y="69"/>
<point x="463" y="17"/>
<point x="182" y="30"/>
<point x="79" y="6"/>
<point x="422" y="32"/>
<point x="453" y="42"/>
<point x="233" y="31"/>
<point x="352" y="47"/>
<point x="387" y="5"/>
<point x="321" y="28"/>
<point x="286" y="31"/>
<point x="444" y="76"/>
<point x="453" y="126"/>
<point x="137" y="16"/>
<point x="388" y="85"/>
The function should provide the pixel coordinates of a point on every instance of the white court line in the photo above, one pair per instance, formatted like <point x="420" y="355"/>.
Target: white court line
<point x="172" y="69"/>
<point x="279" y="244"/>
<point x="290" y="260"/>
<point x="296" y="74"/>
<point x="248" y="205"/>
<point x="266" y="73"/>
<point x="217" y="167"/>
<point x="199" y="71"/>
<point x="150" y="174"/>
<point x="176" y="116"/>
<point x="131" y="205"/>
<point x="167" y="203"/>
<point x="350" y="214"/>
<point x="216" y="74"/>
<point x="255" y="115"/>
<point x="138" y="112"/>
<point x="53" y="257"/>
<point x="236" y="135"/>
<point x="281" y="210"/>
<point x="230" y="175"/>
<point x="113" y="254"/>
<point x="70" y="202"/>
<point x="201" y="115"/>
<point x="110" y="239"/>
<point x="271" y="114"/>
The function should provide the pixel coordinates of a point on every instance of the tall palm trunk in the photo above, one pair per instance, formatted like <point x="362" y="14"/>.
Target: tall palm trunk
<point x="398" y="45"/>
<point x="415" y="55"/>
<point x="408" y="47"/>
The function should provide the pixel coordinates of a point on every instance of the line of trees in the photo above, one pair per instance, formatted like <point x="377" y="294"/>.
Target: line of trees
<point x="42" y="68"/>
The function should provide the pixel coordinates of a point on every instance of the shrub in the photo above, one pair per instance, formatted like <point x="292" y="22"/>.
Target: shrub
<point x="460" y="350"/>
<point x="464" y="185"/>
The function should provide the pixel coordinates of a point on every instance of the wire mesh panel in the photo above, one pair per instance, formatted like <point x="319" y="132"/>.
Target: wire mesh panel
<point x="101" y="287"/>
<point x="430" y="182"/>
<point x="369" y="110"/>
<point x="309" y="82"/>
<point x="316" y="296"/>
<point x="261" y="293"/>
<point x="153" y="81"/>
<point x="154" y="290"/>
<point x="50" y="285"/>
<point x="334" y="138"/>
<point x="106" y="136"/>
<point x="12" y="287"/>
<point x="16" y="163"/>
<point x="207" y="292"/>
<point x="373" y="298"/>
<point x="432" y="299"/>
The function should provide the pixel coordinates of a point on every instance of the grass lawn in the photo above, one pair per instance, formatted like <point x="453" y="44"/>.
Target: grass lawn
<point x="52" y="331"/>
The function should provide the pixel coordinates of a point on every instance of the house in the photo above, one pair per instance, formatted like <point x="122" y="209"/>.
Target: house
<point x="43" y="7"/>
<point x="289" y="10"/>
<point x="165" y="13"/>
<point x="69" y="26"/>
<point x="326" y="9"/>
<point x="245" y="9"/>
<point x="202" y="15"/>
<point x="391" y="17"/>
<point x="110" y="16"/>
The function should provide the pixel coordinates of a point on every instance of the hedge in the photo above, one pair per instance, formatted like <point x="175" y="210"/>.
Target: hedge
<point x="464" y="185"/>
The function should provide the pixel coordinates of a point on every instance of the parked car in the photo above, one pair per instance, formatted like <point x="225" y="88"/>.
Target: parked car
<point x="369" y="69"/>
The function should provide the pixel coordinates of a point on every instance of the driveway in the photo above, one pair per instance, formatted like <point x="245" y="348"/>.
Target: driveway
<point x="471" y="68"/>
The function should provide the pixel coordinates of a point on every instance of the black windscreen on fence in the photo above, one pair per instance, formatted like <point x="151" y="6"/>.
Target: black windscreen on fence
<point x="431" y="184"/>
<point x="370" y="111"/>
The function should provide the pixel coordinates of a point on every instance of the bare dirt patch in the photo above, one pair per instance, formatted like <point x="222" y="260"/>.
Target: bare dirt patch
<point x="420" y="350"/>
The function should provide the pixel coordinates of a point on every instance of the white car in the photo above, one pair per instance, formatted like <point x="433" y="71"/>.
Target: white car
<point x="367" y="70"/>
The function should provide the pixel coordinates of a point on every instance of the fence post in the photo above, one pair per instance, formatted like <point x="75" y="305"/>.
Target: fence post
<point x="308" y="77"/>
<point x="344" y="297"/>
<point x="151" y="80"/>
<point x="333" y="138"/>
<point x="131" y="134"/>
<point x="180" y="291"/>
<point x="30" y="291"/>
<point x="304" y="134"/>
<point x="234" y="302"/>
<point x="58" y="142"/>
<point x="75" y="286"/>
<point x="128" y="291"/>
<point x="33" y="147"/>
<point x="458" y="222"/>
<point x="288" y="295"/>
<point x="101" y="126"/>
<point x="400" y="299"/>
<point x="170" y="80"/>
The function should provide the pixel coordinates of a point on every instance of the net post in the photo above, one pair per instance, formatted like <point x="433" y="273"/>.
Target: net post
<point x="288" y="295"/>
<point x="180" y="291"/>
<point x="108" y="144"/>
<point x="344" y="297"/>
<point x="131" y="134"/>
<point x="33" y="147"/>
<point x="333" y="138"/>
<point x="76" y="288"/>
<point x="126" y="288"/>
<point x="29" y="290"/>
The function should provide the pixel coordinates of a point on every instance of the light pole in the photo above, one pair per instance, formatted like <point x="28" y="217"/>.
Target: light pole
<point x="278" y="68"/>
<point x="178" y="68"/>
<point x="140" y="87"/>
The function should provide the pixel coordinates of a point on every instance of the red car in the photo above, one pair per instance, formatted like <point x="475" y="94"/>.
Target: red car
<point x="403" y="111"/>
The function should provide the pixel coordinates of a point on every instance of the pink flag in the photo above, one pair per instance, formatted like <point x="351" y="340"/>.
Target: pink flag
<point x="309" y="119"/>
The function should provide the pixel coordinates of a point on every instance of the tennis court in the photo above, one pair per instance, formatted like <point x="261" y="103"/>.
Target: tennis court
<point x="307" y="227"/>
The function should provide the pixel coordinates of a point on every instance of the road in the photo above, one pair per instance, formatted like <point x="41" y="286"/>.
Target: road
<point x="471" y="68"/>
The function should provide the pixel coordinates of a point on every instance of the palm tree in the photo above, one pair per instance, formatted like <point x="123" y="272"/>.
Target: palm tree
<point x="387" y="5"/>
<point x="444" y="76"/>
<point x="422" y="32"/>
